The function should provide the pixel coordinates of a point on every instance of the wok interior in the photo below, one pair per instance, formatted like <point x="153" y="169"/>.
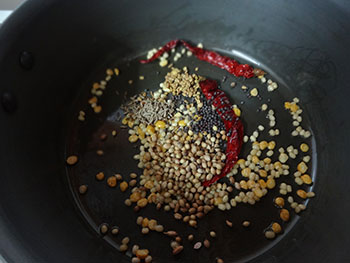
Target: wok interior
<point x="39" y="216"/>
<point x="105" y="205"/>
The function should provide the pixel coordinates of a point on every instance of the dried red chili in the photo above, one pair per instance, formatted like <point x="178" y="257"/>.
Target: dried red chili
<point x="233" y="125"/>
<point x="223" y="62"/>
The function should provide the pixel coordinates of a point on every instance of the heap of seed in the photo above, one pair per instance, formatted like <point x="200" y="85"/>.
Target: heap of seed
<point x="175" y="163"/>
<point x="147" y="110"/>
<point x="183" y="83"/>
<point x="176" y="155"/>
<point x="209" y="120"/>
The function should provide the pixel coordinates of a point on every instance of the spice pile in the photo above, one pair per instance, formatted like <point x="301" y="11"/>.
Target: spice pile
<point x="176" y="159"/>
<point x="189" y="136"/>
<point x="147" y="109"/>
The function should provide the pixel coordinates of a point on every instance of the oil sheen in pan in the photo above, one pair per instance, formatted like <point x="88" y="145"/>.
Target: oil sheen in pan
<point x="102" y="204"/>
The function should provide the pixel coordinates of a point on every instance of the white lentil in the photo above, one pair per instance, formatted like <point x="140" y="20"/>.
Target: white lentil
<point x="295" y="123"/>
<point x="233" y="202"/>
<point x="163" y="62"/>
<point x="283" y="191"/>
<point x="306" y="158"/>
<point x="139" y="220"/>
<point x="261" y="128"/>
<point x="145" y="230"/>
<point x="285" y="172"/>
<point x="159" y="228"/>
<point x="269" y="88"/>
<point x="283" y="157"/>
<point x="246" y="223"/>
<point x="198" y="245"/>
<point x="270" y="234"/>
<point x="269" y="153"/>
<point x="123" y="248"/>
<point x="307" y="134"/>
<point x="252" y="138"/>
<point x="222" y="207"/>
<point x="297" y="174"/>
<point x="256" y="147"/>
<point x="310" y="194"/>
<point x="302" y="206"/>
<point x="254" y="92"/>
<point x="125" y="240"/>
<point x="292" y="155"/>
<point x="134" y="249"/>
<point x="298" y="181"/>
<point x="148" y="259"/>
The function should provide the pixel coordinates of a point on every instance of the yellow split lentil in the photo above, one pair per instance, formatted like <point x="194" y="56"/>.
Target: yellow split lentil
<point x="302" y="194"/>
<point x="304" y="147"/>
<point x="302" y="167"/>
<point x="276" y="227"/>
<point x="279" y="201"/>
<point x="306" y="179"/>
